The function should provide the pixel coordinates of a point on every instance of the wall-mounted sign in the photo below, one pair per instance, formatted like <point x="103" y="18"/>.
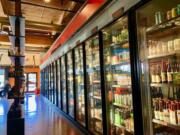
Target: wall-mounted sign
<point x="94" y="30"/>
<point x="118" y="13"/>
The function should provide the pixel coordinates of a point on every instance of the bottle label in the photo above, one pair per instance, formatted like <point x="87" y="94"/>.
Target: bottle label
<point x="178" y="116"/>
<point x="161" y="115"/>
<point x="166" y="115"/>
<point x="163" y="77"/>
<point x="153" y="77"/>
<point x="169" y="77"/>
<point x="156" y="114"/>
<point x="158" y="79"/>
<point x="173" y="117"/>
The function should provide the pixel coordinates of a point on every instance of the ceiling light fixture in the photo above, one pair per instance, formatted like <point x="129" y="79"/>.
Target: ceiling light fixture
<point x="47" y="1"/>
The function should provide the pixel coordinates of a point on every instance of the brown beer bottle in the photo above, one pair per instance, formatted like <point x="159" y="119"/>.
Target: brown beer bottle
<point x="158" y="74"/>
<point x="163" y="72"/>
<point x="169" y="73"/>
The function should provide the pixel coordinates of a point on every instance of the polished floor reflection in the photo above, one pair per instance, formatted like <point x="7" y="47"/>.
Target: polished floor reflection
<point x="40" y="118"/>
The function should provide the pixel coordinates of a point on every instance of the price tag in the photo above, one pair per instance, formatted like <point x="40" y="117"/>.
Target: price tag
<point x="118" y="13"/>
<point x="94" y="30"/>
<point x="78" y="42"/>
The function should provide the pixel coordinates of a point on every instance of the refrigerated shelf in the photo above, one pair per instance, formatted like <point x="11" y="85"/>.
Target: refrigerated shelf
<point x="172" y="23"/>
<point x="121" y="64"/>
<point x="97" y="118"/>
<point x="166" y="124"/>
<point x="97" y="97"/>
<point x="124" y="128"/>
<point x="121" y="86"/>
<point x="174" y="53"/>
<point x="122" y="106"/>
<point x="119" y="44"/>
<point x="164" y="85"/>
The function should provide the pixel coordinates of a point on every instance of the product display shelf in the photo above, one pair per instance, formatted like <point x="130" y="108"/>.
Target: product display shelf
<point x="120" y="64"/>
<point x="174" y="53"/>
<point x="124" y="128"/>
<point x="164" y="85"/>
<point x="97" y="118"/>
<point x="96" y="81"/>
<point x="121" y="86"/>
<point x="119" y="44"/>
<point x="92" y="70"/>
<point x="165" y="25"/>
<point x="97" y="97"/>
<point x="166" y="124"/>
<point x="122" y="106"/>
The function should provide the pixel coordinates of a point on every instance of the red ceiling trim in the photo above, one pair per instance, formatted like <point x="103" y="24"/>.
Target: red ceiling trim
<point x="89" y="9"/>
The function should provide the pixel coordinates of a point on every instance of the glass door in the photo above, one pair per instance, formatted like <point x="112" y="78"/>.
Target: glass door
<point x="32" y="82"/>
<point x="59" y="82"/>
<point x="118" y="77"/>
<point x="52" y="82"/>
<point x="159" y="54"/>
<point x="79" y="82"/>
<point x="94" y="85"/>
<point x="55" y="87"/>
<point x="49" y="85"/>
<point x="46" y="81"/>
<point x="63" y="84"/>
<point x="70" y="84"/>
<point x="25" y="76"/>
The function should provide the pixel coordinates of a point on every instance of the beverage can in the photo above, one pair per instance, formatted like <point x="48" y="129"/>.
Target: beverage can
<point x="178" y="9"/>
<point x="174" y="12"/>
<point x="169" y="15"/>
<point x="156" y="18"/>
<point x="160" y="17"/>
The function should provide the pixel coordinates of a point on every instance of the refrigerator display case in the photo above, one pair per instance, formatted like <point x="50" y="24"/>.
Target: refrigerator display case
<point x="158" y="25"/>
<point x="117" y="75"/>
<point x="79" y="85"/>
<point x="54" y="83"/>
<point x="59" y="82"/>
<point x="94" y="85"/>
<point x="63" y="83"/>
<point x="49" y="83"/>
<point x="70" y="84"/>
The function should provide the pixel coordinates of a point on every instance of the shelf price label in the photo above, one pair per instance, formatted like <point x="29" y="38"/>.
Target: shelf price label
<point x="118" y="13"/>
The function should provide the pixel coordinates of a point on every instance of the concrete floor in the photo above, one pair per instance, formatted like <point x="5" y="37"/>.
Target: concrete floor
<point x="40" y="118"/>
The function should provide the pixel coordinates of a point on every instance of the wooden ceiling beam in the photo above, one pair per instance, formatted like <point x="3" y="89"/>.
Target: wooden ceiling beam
<point x="36" y="25"/>
<point x="43" y="6"/>
<point x="31" y="40"/>
<point x="78" y="1"/>
<point x="27" y="48"/>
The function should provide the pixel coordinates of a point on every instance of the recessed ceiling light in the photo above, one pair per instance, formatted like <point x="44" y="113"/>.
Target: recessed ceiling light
<point x="47" y="1"/>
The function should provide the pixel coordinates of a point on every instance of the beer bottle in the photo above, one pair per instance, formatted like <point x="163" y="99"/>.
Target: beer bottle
<point x="169" y="73"/>
<point x="158" y="74"/>
<point x="163" y="72"/>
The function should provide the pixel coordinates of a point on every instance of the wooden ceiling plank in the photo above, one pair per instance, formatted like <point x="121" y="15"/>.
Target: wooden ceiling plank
<point x="43" y="6"/>
<point x="36" y="25"/>
<point x="78" y="1"/>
